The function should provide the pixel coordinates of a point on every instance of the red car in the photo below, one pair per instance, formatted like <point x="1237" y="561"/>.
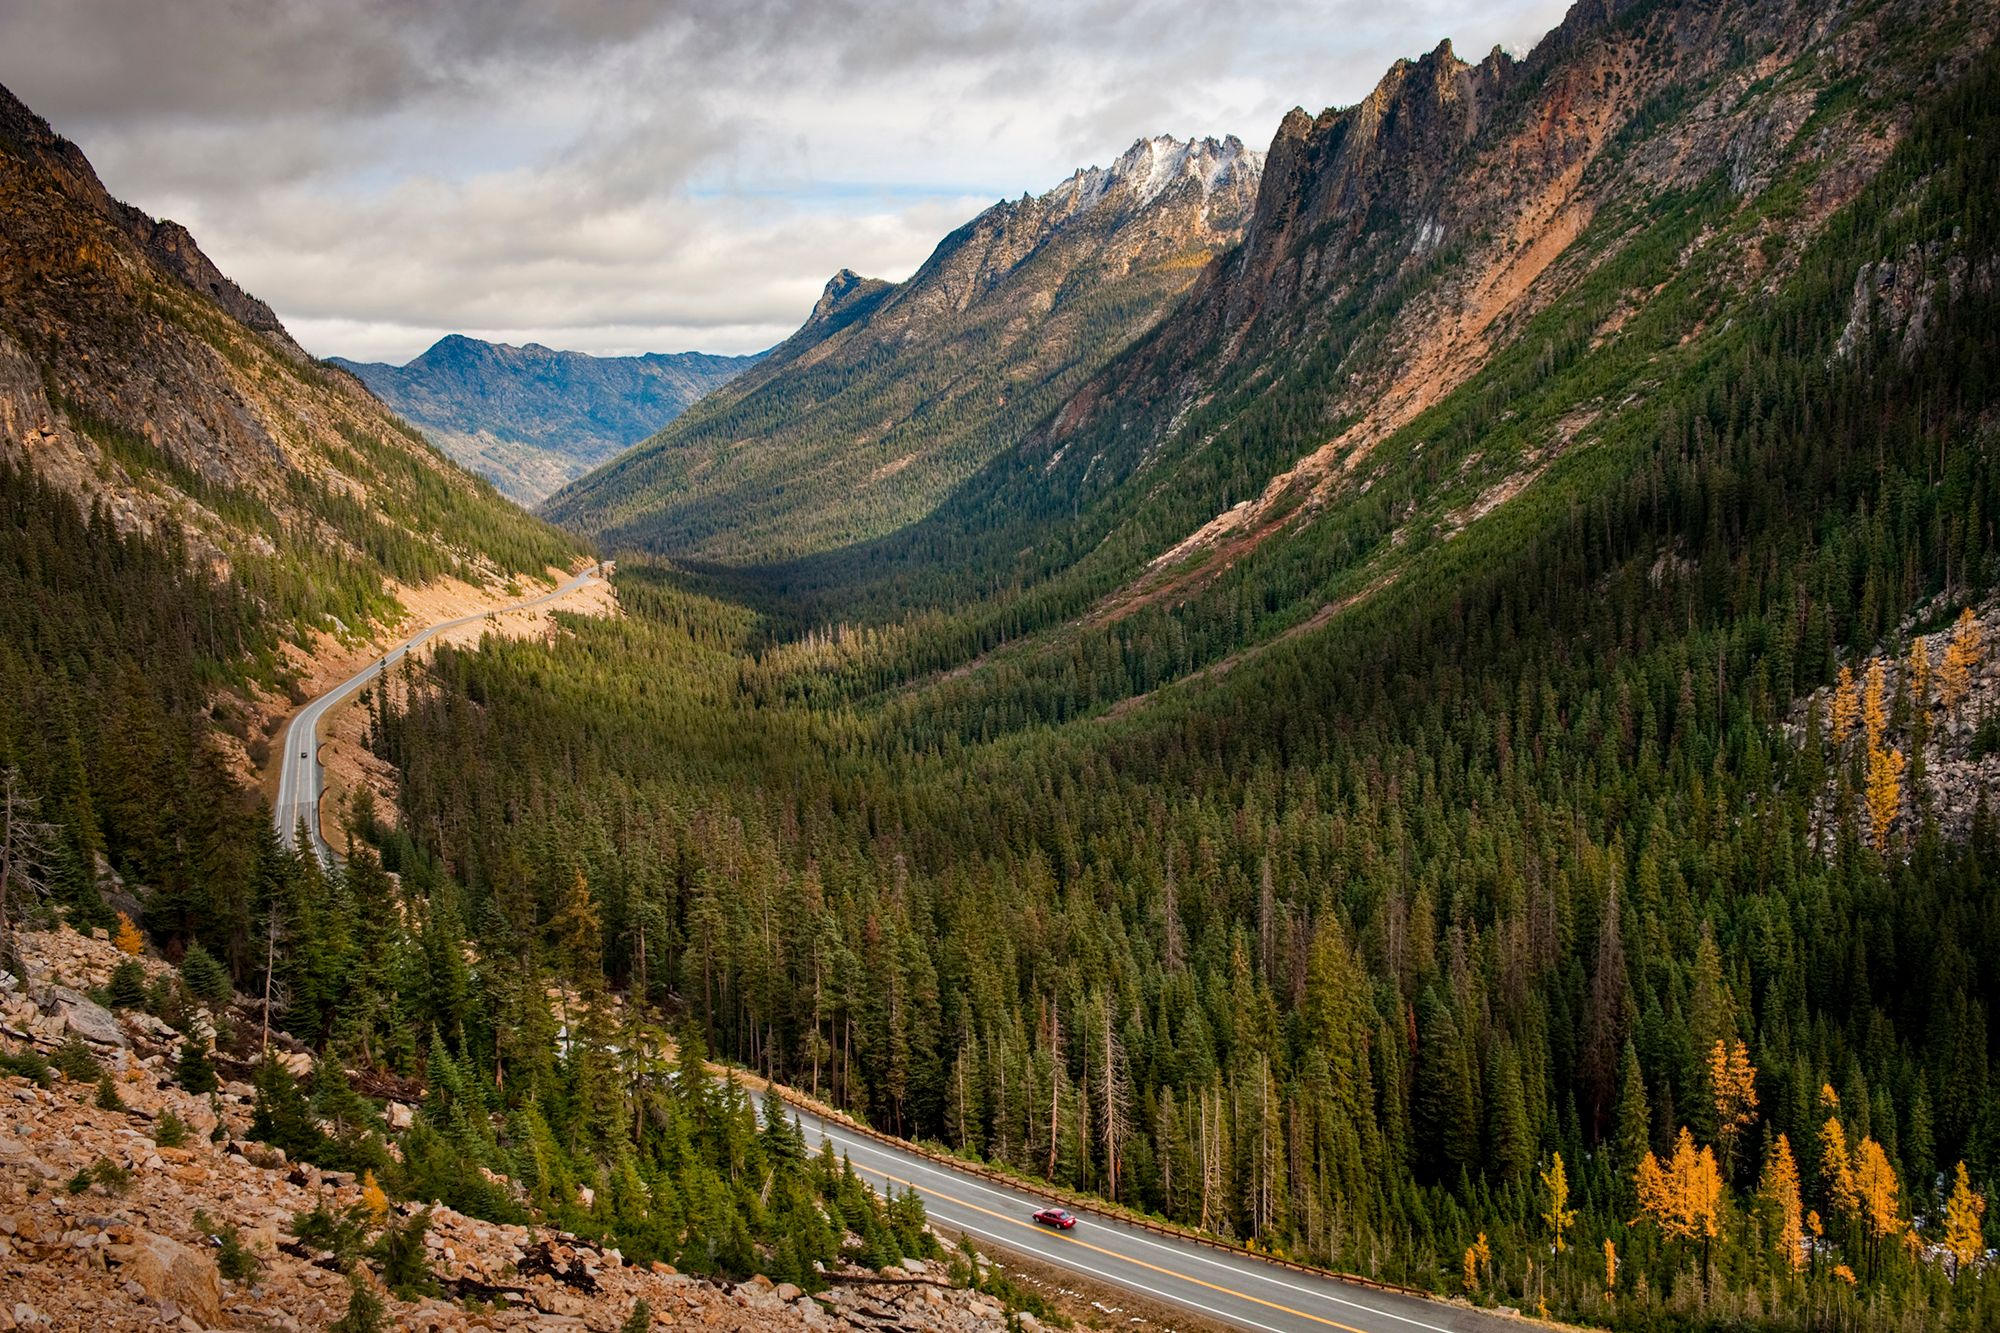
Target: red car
<point x="1059" y="1218"/>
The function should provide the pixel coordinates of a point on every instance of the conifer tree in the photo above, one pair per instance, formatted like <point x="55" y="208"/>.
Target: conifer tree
<point x="1874" y="706"/>
<point x="1875" y="1183"/>
<point x="1780" y="1189"/>
<point x="1846" y="708"/>
<point x="1962" y="657"/>
<point x="1557" y="1213"/>
<point x="1836" y="1170"/>
<point x="1964" y="1217"/>
<point x="1732" y="1082"/>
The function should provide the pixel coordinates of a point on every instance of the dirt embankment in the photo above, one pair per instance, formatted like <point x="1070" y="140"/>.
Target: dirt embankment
<point x="257" y="720"/>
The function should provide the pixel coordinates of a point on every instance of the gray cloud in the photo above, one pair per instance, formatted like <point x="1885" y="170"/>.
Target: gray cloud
<point x="619" y="175"/>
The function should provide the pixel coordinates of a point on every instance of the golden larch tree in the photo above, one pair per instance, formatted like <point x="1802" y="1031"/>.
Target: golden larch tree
<point x="1560" y="1216"/>
<point x="128" y="938"/>
<point x="1478" y="1255"/>
<point x="1846" y="707"/>
<point x="1885" y="793"/>
<point x="373" y="1199"/>
<point x="1964" y="1211"/>
<point x="1610" y="1265"/>
<point x="1961" y="659"/>
<point x="1875" y="1183"/>
<point x="1682" y="1195"/>
<point x="1780" y="1188"/>
<point x="1733" y="1081"/>
<point x="1874" y="708"/>
<point x="1837" y="1169"/>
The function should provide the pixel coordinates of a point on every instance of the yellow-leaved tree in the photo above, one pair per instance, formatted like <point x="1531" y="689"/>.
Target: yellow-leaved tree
<point x="128" y="938"/>
<point x="1836" y="1169"/>
<point x="1732" y="1079"/>
<point x="1874" y="707"/>
<point x="1780" y="1188"/>
<point x="1478" y="1256"/>
<point x="1885" y="793"/>
<point x="1846" y="707"/>
<point x="1683" y="1195"/>
<point x="1610" y="1265"/>
<point x="1875" y="1182"/>
<point x="1560" y="1216"/>
<point x="1964" y="1211"/>
<point x="1961" y="659"/>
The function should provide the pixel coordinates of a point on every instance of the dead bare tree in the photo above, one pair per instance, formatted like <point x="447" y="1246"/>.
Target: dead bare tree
<point x="1115" y="1122"/>
<point x="27" y="845"/>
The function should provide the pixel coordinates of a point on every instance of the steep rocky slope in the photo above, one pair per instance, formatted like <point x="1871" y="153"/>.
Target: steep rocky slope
<point x="135" y="375"/>
<point x="104" y="1225"/>
<point x="531" y="418"/>
<point x="891" y="395"/>
<point x="1420" y="268"/>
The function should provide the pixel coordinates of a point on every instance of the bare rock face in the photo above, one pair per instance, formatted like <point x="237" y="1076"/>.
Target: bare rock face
<point x="167" y="1270"/>
<point x="83" y="1016"/>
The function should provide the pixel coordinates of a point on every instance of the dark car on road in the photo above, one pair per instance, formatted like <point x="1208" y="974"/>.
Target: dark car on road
<point x="1060" y="1218"/>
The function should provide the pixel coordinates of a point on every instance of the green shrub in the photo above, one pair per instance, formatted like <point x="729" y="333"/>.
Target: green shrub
<point x="339" y="1232"/>
<point x="103" y="1172"/>
<point x="76" y="1063"/>
<point x="406" y="1268"/>
<point x="364" y="1310"/>
<point x="193" y="1069"/>
<point x="205" y="978"/>
<point x="107" y="1093"/>
<point x="232" y="1258"/>
<point x="128" y="985"/>
<point x="29" y="1065"/>
<point x="171" y="1132"/>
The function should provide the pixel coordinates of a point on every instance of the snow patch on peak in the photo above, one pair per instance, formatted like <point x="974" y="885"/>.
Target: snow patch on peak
<point x="1151" y="166"/>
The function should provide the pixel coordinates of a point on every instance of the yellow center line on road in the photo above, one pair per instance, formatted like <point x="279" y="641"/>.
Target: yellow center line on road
<point x="1112" y="1254"/>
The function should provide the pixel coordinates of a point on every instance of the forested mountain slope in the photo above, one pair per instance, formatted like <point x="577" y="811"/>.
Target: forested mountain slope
<point x="135" y="375"/>
<point x="1469" y="865"/>
<point x="182" y="491"/>
<point x="1511" y="219"/>
<point x="531" y="418"/>
<point x="890" y="396"/>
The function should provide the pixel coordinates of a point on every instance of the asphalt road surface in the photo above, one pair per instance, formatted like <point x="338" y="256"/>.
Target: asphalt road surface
<point x="301" y="781"/>
<point x="1236" y="1289"/>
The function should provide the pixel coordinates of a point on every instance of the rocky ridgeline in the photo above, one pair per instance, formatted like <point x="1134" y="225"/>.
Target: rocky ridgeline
<point x="138" y="1246"/>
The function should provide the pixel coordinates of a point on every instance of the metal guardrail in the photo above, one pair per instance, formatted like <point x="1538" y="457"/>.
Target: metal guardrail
<point x="1095" y="1207"/>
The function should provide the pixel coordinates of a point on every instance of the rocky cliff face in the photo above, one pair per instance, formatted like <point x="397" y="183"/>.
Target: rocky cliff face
<point x="531" y="418"/>
<point x="134" y="374"/>
<point x="889" y="395"/>
<point x="1401" y="244"/>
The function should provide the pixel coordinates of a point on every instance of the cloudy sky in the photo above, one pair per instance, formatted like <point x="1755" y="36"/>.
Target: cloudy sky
<point x="619" y="176"/>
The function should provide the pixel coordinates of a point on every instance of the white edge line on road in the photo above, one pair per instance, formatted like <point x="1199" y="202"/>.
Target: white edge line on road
<point x="1063" y="1261"/>
<point x="1250" y="1267"/>
<point x="309" y="769"/>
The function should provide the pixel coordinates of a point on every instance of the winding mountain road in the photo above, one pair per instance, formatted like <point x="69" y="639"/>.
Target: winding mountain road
<point x="301" y="781"/>
<point x="1230" y="1287"/>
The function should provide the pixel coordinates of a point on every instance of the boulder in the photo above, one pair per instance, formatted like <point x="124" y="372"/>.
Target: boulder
<point x="84" y="1016"/>
<point x="167" y="1270"/>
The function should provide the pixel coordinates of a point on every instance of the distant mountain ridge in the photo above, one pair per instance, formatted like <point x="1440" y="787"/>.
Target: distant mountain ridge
<point x="531" y="418"/>
<point x="140" y="380"/>
<point x="890" y="394"/>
